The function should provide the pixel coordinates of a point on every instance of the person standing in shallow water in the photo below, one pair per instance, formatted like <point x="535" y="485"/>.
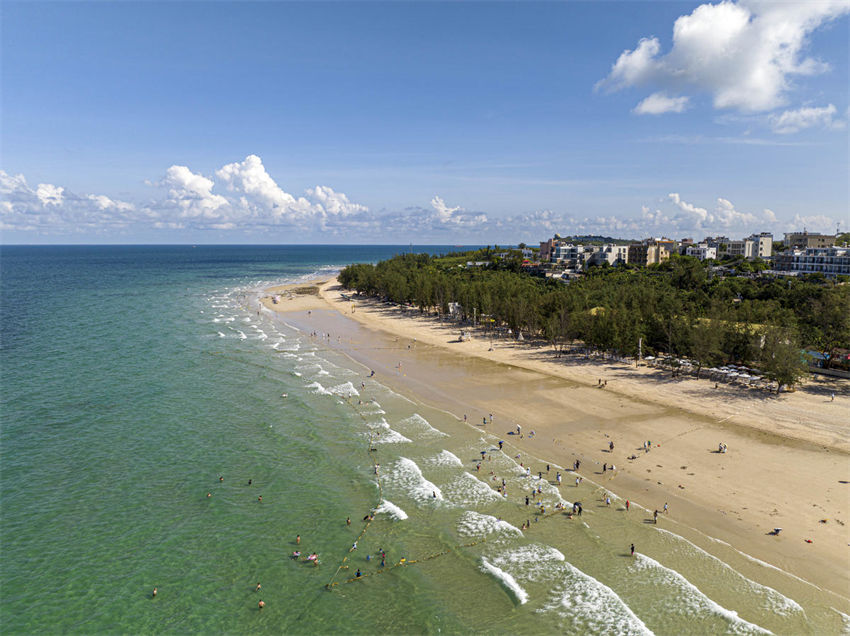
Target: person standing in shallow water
<point x="633" y="549"/>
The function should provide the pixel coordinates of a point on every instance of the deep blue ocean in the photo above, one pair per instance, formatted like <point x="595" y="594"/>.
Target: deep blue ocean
<point x="140" y="391"/>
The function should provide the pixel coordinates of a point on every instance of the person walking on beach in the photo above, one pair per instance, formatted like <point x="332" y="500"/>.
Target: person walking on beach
<point x="655" y="517"/>
<point x="632" y="549"/>
<point x="627" y="505"/>
<point x="500" y="444"/>
<point x="665" y="507"/>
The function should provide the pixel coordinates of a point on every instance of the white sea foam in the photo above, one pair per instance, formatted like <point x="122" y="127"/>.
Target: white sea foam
<point x="389" y="436"/>
<point x="419" y="423"/>
<point x="242" y="335"/>
<point x="383" y="434"/>
<point x="406" y="474"/>
<point x="318" y="388"/>
<point x="467" y="490"/>
<point x="695" y="598"/>
<point x="221" y="335"/>
<point x="476" y="524"/>
<point x="591" y="606"/>
<point x="507" y="580"/>
<point x="345" y="389"/>
<point x="534" y="562"/>
<point x="844" y="619"/>
<point x="445" y="458"/>
<point x="296" y="374"/>
<point x="390" y="509"/>
<point x="776" y="601"/>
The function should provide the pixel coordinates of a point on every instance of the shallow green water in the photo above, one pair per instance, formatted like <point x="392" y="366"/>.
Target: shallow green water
<point x="133" y="378"/>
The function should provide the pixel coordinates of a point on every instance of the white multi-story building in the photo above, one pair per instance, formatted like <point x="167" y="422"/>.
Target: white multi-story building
<point x="754" y="246"/>
<point x="830" y="261"/>
<point x="763" y="245"/>
<point x="611" y="254"/>
<point x="702" y="251"/>
<point x="573" y="256"/>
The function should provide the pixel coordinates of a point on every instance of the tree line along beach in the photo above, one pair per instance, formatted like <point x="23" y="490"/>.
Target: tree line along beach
<point x="786" y="464"/>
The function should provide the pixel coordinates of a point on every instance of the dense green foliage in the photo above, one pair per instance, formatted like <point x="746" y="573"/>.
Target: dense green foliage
<point x="678" y="307"/>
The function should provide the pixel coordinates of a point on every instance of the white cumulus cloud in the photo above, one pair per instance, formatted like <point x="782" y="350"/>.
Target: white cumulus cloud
<point x="791" y="121"/>
<point x="659" y="103"/>
<point x="457" y="216"/>
<point x="334" y="203"/>
<point x="192" y="193"/>
<point x="51" y="208"/>
<point x="259" y="194"/>
<point x="743" y="54"/>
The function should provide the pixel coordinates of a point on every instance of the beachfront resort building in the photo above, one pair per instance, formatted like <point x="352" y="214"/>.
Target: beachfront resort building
<point x="829" y="261"/>
<point x="577" y="257"/>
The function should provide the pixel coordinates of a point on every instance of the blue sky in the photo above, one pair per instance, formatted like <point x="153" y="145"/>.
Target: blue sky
<point x="426" y="122"/>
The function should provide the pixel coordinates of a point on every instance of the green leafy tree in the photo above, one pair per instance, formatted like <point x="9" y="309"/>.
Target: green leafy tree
<point x="781" y="358"/>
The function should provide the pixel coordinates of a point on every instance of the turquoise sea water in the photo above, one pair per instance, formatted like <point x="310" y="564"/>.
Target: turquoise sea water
<point x="134" y="377"/>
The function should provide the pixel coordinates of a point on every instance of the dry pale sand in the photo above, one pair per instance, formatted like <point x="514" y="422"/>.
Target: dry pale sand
<point x="788" y="463"/>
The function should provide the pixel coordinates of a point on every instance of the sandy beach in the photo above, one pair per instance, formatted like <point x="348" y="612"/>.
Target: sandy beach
<point x="788" y="459"/>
